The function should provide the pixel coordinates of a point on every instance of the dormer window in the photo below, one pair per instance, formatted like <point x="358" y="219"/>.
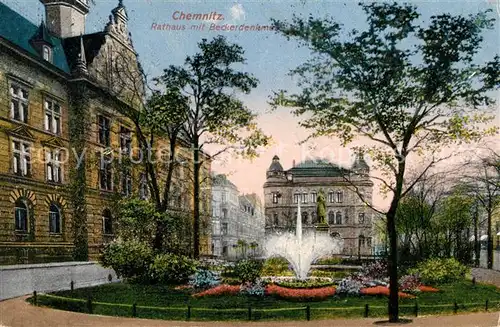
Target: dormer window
<point x="47" y="53"/>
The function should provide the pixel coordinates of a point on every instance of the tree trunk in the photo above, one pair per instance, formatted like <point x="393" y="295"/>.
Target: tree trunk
<point x="196" y="200"/>
<point x="477" y="245"/>
<point x="393" y="261"/>
<point x="490" y="238"/>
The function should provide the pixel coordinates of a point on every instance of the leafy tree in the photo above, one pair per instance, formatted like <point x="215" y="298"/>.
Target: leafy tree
<point x="409" y="88"/>
<point x="209" y="81"/>
<point x="484" y="183"/>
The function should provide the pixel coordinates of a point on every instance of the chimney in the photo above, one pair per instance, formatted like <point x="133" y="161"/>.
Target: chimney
<point x="293" y="163"/>
<point x="66" y="18"/>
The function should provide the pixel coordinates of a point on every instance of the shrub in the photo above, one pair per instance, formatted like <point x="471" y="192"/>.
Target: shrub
<point x="375" y="270"/>
<point x="309" y="283"/>
<point x="172" y="269"/>
<point x="254" y="289"/>
<point x="410" y="283"/>
<point x="220" y="290"/>
<point x="315" y="294"/>
<point x="248" y="270"/>
<point x="204" y="278"/>
<point x="329" y="261"/>
<point x="349" y="286"/>
<point x="129" y="259"/>
<point x="437" y="271"/>
<point x="275" y="267"/>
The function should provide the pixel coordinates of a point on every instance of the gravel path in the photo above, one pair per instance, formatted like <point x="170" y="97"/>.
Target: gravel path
<point x="18" y="313"/>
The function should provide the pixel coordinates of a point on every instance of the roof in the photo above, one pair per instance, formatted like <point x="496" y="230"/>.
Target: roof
<point x="222" y="180"/>
<point x="18" y="30"/>
<point x="275" y="165"/>
<point x="91" y="42"/>
<point x="317" y="167"/>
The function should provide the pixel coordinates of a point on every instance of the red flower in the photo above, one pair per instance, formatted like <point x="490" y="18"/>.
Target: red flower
<point x="424" y="288"/>
<point x="220" y="290"/>
<point x="300" y="294"/>
<point x="382" y="290"/>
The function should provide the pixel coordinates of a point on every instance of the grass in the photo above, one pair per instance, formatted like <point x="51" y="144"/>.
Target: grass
<point x="174" y="303"/>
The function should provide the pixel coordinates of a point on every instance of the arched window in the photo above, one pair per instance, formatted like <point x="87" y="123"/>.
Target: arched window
<point x="54" y="219"/>
<point x="331" y="218"/>
<point x="335" y="235"/>
<point x="361" y="241"/>
<point x="21" y="215"/>
<point x="46" y="53"/>
<point x="276" y="220"/>
<point x="338" y="218"/>
<point x="313" y="218"/>
<point x="305" y="217"/>
<point x="340" y="196"/>
<point x="224" y="213"/>
<point x="107" y="222"/>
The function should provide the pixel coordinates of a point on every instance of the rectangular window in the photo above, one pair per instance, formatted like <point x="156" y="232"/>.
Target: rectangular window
<point x="331" y="197"/>
<point x="21" y="158"/>
<point x="52" y="116"/>
<point x="104" y="131"/>
<point x="304" y="197"/>
<point x="18" y="102"/>
<point x="361" y="218"/>
<point x="275" y="197"/>
<point x="21" y="214"/>
<point x="105" y="174"/>
<point x="53" y="164"/>
<point x="340" y="197"/>
<point x="314" y="197"/>
<point x="224" y="228"/>
<point x="296" y="198"/>
<point x="126" y="183"/>
<point x="224" y="197"/>
<point x="125" y="141"/>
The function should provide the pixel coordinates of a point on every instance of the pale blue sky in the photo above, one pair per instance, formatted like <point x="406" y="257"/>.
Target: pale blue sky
<point x="269" y="56"/>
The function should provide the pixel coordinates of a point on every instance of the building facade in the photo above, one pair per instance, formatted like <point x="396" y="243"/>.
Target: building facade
<point x="238" y="221"/>
<point x="347" y="215"/>
<point x="63" y="129"/>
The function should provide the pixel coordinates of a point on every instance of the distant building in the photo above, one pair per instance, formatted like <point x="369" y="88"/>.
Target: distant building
<point x="347" y="215"/>
<point x="238" y="220"/>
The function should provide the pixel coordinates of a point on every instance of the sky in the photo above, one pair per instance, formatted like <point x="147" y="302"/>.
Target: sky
<point x="269" y="57"/>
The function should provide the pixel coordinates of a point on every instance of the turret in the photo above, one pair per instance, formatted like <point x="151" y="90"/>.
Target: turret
<point x="66" y="18"/>
<point x="275" y="170"/>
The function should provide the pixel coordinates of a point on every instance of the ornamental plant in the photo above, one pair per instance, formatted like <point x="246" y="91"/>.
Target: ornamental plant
<point x="248" y="270"/>
<point x="204" y="278"/>
<point x="438" y="271"/>
<point x="171" y="269"/>
<point x="349" y="286"/>
<point x="220" y="290"/>
<point x="315" y="294"/>
<point x="410" y="283"/>
<point x="376" y="270"/>
<point x="257" y="288"/>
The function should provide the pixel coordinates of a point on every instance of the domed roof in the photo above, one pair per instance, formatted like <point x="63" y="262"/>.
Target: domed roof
<point x="275" y="165"/>
<point x="317" y="167"/>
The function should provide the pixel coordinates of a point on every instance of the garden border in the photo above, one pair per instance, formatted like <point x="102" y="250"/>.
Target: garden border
<point x="307" y="309"/>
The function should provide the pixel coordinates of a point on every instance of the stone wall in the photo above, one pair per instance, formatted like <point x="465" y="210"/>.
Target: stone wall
<point x="20" y="280"/>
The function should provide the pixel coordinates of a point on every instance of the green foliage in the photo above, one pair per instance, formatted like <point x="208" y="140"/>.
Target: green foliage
<point x="329" y="261"/>
<point x="309" y="283"/>
<point x="129" y="259"/>
<point x="248" y="270"/>
<point x="438" y="271"/>
<point x="137" y="219"/>
<point x="171" y="268"/>
<point x="275" y="267"/>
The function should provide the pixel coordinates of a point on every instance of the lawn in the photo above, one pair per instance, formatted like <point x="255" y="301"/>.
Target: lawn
<point x="173" y="303"/>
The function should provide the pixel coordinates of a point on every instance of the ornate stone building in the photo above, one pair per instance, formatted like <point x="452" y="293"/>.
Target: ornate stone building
<point x="347" y="215"/>
<point x="63" y="126"/>
<point x="238" y="220"/>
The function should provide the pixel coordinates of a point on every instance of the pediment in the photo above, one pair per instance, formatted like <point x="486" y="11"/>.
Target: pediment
<point x="21" y="131"/>
<point x="53" y="142"/>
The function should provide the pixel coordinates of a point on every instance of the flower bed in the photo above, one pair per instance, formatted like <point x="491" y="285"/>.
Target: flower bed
<point x="220" y="290"/>
<point x="313" y="294"/>
<point x="309" y="283"/>
<point x="423" y="288"/>
<point x="382" y="290"/>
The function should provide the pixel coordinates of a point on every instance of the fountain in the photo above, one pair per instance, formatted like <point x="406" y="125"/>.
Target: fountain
<point x="302" y="250"/>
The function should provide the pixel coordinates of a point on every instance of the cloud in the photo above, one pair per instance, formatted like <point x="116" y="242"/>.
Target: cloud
<point x="237" y="12"/>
